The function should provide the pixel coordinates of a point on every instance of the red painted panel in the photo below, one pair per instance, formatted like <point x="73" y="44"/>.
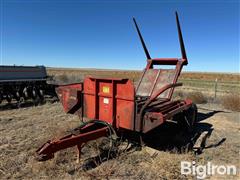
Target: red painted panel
<point x="89" y="106"/>
<point x="89" y="85"/>
<point x="125" y="90"/>
<point x="105" y="109"/>
<point x="105" y="100"/>
<point x="70" y="97"/>
<point x="125" y="104"/>
<point x="110" y="100"/>
<point x="125" y="114"/>
<point x="89" y="98"/>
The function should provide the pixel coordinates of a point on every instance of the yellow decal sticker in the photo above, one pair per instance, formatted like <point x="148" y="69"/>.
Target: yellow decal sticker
<point x="105" y="89"/>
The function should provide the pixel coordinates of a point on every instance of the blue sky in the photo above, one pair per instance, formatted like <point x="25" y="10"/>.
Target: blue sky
<point x="94" y="34"/>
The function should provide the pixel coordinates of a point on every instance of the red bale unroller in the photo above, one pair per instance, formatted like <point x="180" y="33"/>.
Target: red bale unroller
<point x="113" y="106"/>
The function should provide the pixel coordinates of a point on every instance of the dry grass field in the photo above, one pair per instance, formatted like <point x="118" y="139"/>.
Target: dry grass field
<point x="24" y="130"/>
<point x="193" y="81"/>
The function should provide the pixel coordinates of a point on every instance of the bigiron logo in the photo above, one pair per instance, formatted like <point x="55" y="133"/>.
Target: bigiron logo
<point x="202" y="171"/>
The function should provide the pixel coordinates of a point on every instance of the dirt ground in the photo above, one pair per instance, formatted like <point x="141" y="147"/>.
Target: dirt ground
<point x="24" y="130"/>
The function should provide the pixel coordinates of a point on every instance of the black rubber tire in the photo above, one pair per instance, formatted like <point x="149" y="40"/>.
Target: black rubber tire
<point x="41" y="95"/>
<point x="25" y="93"/>
<point x="34" y="93"/>
<point x="1" y="98"/>
<point x="17" y="96"/>
<point x="9" y="98"/>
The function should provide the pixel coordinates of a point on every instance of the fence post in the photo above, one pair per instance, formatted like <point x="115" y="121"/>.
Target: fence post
<point x="215" y="89"/>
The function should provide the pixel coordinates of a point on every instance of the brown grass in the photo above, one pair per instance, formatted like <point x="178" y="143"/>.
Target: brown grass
<point x="24" y="130"/>
<point x="62" y="77"/>
<point x="140" y="165"/>
<point x="211" y="76"/>
<point x="135" y="74"/>
<point x="231" y="102"/>
<point x="197" y="97"/>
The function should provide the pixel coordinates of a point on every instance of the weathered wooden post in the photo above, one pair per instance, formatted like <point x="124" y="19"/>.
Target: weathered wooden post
<point x="215" y="89"/>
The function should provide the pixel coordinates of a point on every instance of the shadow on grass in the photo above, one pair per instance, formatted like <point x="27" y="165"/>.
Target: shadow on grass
<point x="167" y="137"/>
<point x="203" y="116"/>
<point x="25" y="104"/>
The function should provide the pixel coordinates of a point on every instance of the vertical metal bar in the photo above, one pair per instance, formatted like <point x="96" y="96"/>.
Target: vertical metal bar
<point x="114" y="105"/>
<point x="96" y="99"/>
<point x="155" y="82"/>
<point x="142" y="41"/>
<point x="177" y="74"/>
<point x="149" y="64"/>
<point x="183" y="51"/>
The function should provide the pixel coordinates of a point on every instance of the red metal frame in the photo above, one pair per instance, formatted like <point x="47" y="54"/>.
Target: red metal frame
<point x="117" y="103"/>
<point x="70" y="96"/>
<point x="85" y="134"/>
